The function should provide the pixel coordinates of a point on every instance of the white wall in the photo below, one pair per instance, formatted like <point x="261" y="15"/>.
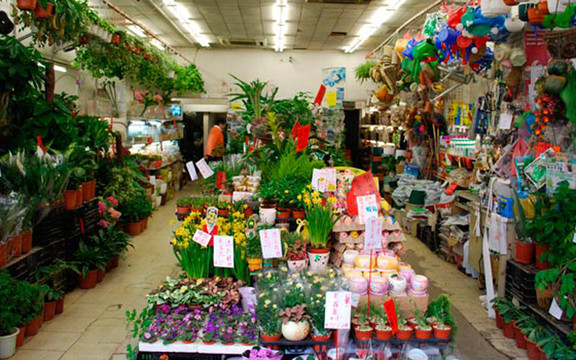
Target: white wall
<point x="291" y="71"/>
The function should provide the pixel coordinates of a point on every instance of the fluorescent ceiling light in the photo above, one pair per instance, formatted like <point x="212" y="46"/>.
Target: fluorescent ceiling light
<point x="136" y="30"/>
<point x="183" y="15"/>
<point x="280" y="17"/>
<point x="59" y="68"/>
<point x="379" y="17"/>
<point x="157" y="44"/>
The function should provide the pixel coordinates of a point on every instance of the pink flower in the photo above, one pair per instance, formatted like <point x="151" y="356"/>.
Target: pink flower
<point x="138" y="95"/>
<point x="157" y="98"/>
<point x="102" y="207"/>
<point x="115" y="214"/>
<point x="112" y="200"/>
<point x="103" y="223"/>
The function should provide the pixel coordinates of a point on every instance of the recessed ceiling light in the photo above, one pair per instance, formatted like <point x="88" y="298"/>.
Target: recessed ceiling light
<point x="280" y="17"/>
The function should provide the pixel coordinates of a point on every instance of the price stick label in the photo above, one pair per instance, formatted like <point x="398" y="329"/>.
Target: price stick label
<point x="223" y="251"/>
<point x="271" y="243"/>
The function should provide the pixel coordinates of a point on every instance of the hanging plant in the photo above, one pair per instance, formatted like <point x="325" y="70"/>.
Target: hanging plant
<point x="362" y="72"/>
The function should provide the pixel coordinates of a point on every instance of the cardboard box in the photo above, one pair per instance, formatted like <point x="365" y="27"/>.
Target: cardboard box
<point x="407" y="304"/>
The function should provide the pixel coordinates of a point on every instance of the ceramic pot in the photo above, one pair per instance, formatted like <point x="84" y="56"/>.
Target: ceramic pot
<point x="318" y="260"/>
<point x="358" y="285"/>
<point x="365" y="261"/>
<point x="387" y="262"/>
<point x="524" y="252"/>
<point x="397" y="285"/>
<point x="295" y="331"/>
<point x="378" y="285"/>
<point x="407" y="273"/>
<point x="270" y="338"/>
<point x="419" y="284"/>
<point x="297" y="265"/>
<point x="268" y="216"/>
<point x="254" y="264"/>
<point x="514" y="24"/>
<point x="8" y="344"/>
<point x="349" y="257"/>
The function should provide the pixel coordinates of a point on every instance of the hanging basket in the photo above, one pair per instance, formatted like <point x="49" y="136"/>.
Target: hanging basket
<point x="561" y="44"/>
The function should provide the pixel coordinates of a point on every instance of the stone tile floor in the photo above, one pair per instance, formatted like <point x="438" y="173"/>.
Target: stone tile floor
<point x="92" y="326"/>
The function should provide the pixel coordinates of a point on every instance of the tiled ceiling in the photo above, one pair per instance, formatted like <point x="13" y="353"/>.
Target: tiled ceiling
<point x="310" y="24"/>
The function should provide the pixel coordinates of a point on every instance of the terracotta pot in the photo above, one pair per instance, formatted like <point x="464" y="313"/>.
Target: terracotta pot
<point x="133" y="228"/>
<point x="3" y="254"/>
<point x="26" y="241"/>
<point x="248" y="212"/>
<point x="229" y="344"/>
<point x="20" y="337"/>
<point x="187" y="342"/>
<point x="49" y="310"/>
<point x="362" y="334"/>
<point x="115" y="38"/>
<point x="284" y="214"/>
<point x="92" y="188"/>
<point x="544" y="298"/>
<point x="86" y="191"/>
<point x="60" y="306"/>
<point x="99" y="275"/>
<point x="499" y="320"/>
<point x="26" y="4"/>
<point x="79" y="196"/>
<point x="422" y="334"/>
<point x="114" y="262"/>
<point x="254" y="264"/>
<point x="298" y="214"/>
<point x="520" y="339"/>
<point x="183" y="210"/>
<point x="383" y="334"/>
<point x="270" y="338"/>
<point x="508" y="329"/>
<point x="442" y="333"/>
<point x="524" y="253"/>
<point x="33" y="327"/>
<point x="510" y="2"/>
<point x="141" y="226"/>
<point x="542" y="354"/>
<point x="41" y="12"/>
<point x="208" y="342"/>
<point x="532" y="350"/>
<point x="88" y="282"/>
<point x="16" y="245"/>
<point x="404" y="334"/>
<point x="70" y="199"/>
<point x="539" y="250"/>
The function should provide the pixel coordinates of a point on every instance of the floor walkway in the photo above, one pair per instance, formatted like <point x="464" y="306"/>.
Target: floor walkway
<point x="92" y="326"/>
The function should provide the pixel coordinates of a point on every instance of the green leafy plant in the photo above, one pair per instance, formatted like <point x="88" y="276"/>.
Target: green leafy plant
<point x="362" y="72"/>
<point x="255" y="101"/>
<point x="90" y="257"/>
<point x="440" y="309"/>
<point x="188" y="79"/>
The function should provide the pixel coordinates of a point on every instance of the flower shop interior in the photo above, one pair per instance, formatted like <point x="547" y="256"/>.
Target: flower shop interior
<point x="287" y="179"/>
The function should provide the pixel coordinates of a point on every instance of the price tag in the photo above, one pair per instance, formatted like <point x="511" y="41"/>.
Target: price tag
<point x="373" y="234"/>
<point x="191" y="170"/>
<point x="338" y="310"/>
<point x="367" y="208"/>
<point x="331" y="99"/>
<point x="330" y="175"/>
<point x="242" y="195"/>
<point x="555" y="310"/>
<point x="202" y="237"/>
<point x="223" y="251"/>
<point x="204" y="169"/>
<point x="271" y="243"/>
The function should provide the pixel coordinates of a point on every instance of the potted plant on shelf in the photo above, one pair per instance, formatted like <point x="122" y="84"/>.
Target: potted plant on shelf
<point x="266" y="311"/>
<point x="10" y="318"/>
<point x="295" y="325"/>
<point x="321" y="221"/>
<point x="405" y="331"/>
<point x="363" y="330"/>
<point x="284" y="201"/>
<point x="317" y="310"/>
<point x="210" y="332"/>
<point x="524" y="246"/>
<point x="440" y="310"/>
<point x="183" y="206"/>
<point x="254" y="252"/>
<point x="258" y="353"/>
<point x="89" y="260"/>
<point x="383" y="330"/>
<point x="248" y="329"/>
<point x="296" y="256"/>
<point x="268" y="195"/>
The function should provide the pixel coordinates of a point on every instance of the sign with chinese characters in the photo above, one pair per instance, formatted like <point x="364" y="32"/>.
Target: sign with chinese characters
<point x="242" y="195"/>
<point x="338" y="310"/>
<point x="204" y="169"/>
<point x="202" y="237"/>
<point x="191" y="170"/>
<point x="324" y="179"/>
<point x="223" y="251"/>
<point x="373" y="234"/>
<point x="271" y="243"/>
<point x="367" y="208"/>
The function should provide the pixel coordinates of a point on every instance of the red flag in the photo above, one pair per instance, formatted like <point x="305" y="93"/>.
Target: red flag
<point x="361" y="185"/>
<point x="320" y="95"/>
<point x="40" y="144"/>
<point x="303" y="137"/>
<point x="391" y="313"/>
<point x="295" y="129"/>
<point x="220" y="179"/>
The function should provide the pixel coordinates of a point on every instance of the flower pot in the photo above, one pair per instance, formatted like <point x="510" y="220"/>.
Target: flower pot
<point x="99" y="276"/>
<point x="26" y="241"/>
<point x="248" y="212"/>
<point x="422" y="334"/>
<point x="141" y="226"/>
<point x="187" y="342"/>
<point x="544" y="298"/>
<point x="318" y="259"/>
<point x="92" y="184"/>
<point x="404" y="333"/>
<point x="510" y="2"/>
<point x="133" y="228"/>
<point x="284" y="214"/>
<point x="268" y="216"/>
<point x="508" y="329"/>
<point x="16" y="245"/>
<point x="541" y="354"/>
<point x="88" y="282"/>
<point x="295" y="331"/>
<point x="363" y="334"/>
<point x="49" y="310"/>
<point x="254" y="264"/>
<point x="182" y="210"/>
<point x="20" y="337"/>
<point x="79" y="196"/>
<point x="86" y="191"/>
<point x="297" y="265"/>
<point x="499" y="320"/>
<point x="320" y="338"/>
<point x="3" y="254"/>
<point x="115" y="38"/>
<point x="114" y="262"/>
<point x="70" y="199"/>
<point x="524" y="253"/>
<point x="229" y="343"/>
<point x="209" y="342"/>
<point x="539" y="250"/>
<point x="298" y="214"/>
<point x="59" y="306"/>
<point x="270" y="338"/>
<point x="33" y="327"/>
<point x="26" y="4"/>
<point x="41" y="12"/>
<point x="349" y="257"/>
<point x="532" y="350"/>
<point x="8" y="344"/>
<point x="383" y="334"/>
<point x="520" y="340"/>
<point x="442" y="332"/>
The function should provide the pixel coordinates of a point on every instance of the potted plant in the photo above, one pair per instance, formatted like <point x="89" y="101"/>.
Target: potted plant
<point x="10" y="316"/>
<point x="440" y="309"/>
<point x="210" y="332"/>
<point x="43" y="9"/>
<point x="524" y="246"/>
<point x="523" y="325"/>
<point x="248" y="329"/>
<point x="223" y="208"/>
<point x="321" y="221"/>
<point x="183" y="206"/>
<point x="295" y="325"/>
<point x="266" y="310"/>
<point x="254" y="252"/>
<point x="296" y="256"/>
<point x="383" y="330"/>
<point x="89" y="259"/>
<point x="363" y="330"/>
<point x="404" y="331"/>
<point x="298" y="211"/>
<point x="284" y="201"/>
<point x="423" y="330"/>
<point x="317" y="310"/>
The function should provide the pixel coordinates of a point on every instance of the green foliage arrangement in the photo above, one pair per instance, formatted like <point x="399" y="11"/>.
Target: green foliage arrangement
<point x="24" y="303"/>
<point x="362" y="72"/>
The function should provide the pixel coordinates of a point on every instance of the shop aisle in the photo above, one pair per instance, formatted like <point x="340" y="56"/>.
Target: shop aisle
<point x="93" y="325"/>
<point x="477" y="337"/>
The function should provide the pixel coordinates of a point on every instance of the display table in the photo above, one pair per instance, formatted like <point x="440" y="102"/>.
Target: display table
<point x="194" y="348"/>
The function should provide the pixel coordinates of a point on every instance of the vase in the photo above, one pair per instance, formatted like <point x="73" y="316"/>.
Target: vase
<point x="358" y="285"/>
<point x="318" y="259"/>
<point x="268" y="216"/>
<point x="297" y="265"/>
<point x="8" y="344"/>
<point x="295" y="331"/>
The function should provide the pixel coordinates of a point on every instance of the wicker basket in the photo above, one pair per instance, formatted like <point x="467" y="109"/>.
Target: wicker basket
<point x="561" y="44"/>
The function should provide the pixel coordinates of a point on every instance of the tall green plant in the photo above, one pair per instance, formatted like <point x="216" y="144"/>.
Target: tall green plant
<point x="255" y="101"/>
